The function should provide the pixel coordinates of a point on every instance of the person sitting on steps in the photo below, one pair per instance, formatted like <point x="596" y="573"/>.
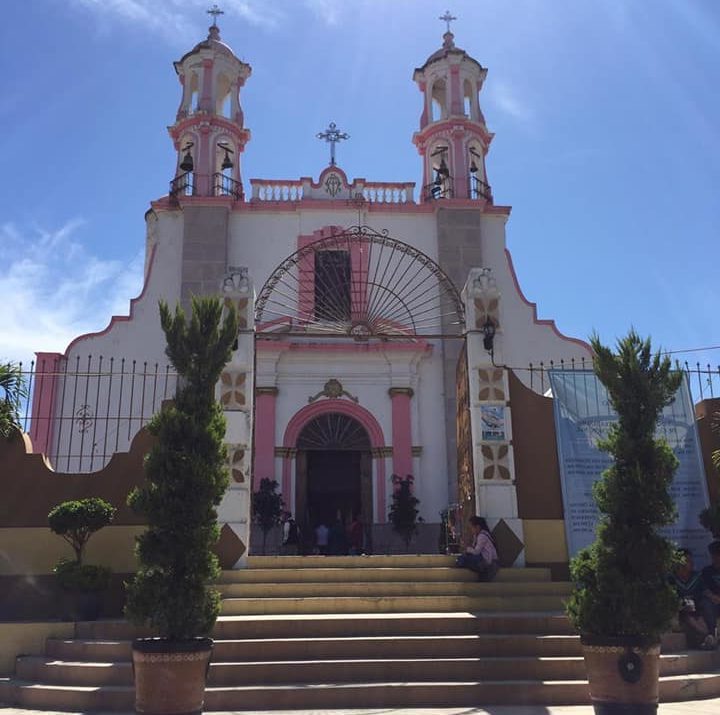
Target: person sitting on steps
<point x="481" y="556"/>
<point x="689" y="587"/>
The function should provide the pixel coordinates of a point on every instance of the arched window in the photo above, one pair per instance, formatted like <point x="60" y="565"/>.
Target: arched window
<point x="439" y="100"/>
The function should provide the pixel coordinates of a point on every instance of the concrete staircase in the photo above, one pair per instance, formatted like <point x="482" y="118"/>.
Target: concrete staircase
<point x="325" y="632"/>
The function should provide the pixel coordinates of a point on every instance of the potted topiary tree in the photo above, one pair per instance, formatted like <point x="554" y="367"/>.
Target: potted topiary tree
<point x="186" y="477"/>
<point x="403" y="510"/>
<point x="82" y="584"/>
<point x="267" y="507"/>
<point x="623" y="602"/>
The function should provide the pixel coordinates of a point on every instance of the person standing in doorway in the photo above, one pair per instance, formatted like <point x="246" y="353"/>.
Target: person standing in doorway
<point x="291" y="535"/>
<point x="321" y="538"/>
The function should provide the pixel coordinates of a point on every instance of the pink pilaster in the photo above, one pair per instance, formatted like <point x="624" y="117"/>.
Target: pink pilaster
<point x="264" y="454"/>
<point x="47" y="368"/>
<point x="456" y="98"/>
<point x="401" y="430"/>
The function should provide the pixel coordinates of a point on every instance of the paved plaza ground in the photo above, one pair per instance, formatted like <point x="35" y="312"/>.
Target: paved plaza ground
<point x="697" y="707"/>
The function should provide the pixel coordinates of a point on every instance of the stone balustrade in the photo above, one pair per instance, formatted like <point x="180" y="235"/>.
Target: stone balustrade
<point x="269" y="190"/>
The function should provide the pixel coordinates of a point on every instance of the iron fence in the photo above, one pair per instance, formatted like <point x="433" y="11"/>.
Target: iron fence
<point x="82" y="411"/>
<point x="704" y="380"/>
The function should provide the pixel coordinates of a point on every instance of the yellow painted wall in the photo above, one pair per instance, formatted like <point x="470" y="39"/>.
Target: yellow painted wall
<point x="27" y="639"/>
<point x="35" y="550"/>
<point x="545" y="541"/>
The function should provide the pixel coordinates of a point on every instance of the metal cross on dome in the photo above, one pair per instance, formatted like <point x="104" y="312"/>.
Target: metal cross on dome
<point x="332" y="135"/>
<point x="447" y="18"/>
<point x="215" y="11"/>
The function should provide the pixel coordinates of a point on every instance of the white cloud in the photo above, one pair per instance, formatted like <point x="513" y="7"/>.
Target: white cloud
<point x="53" y="289"/>
<point x="505" y="98"/>
<point x="327" y="10"/>
<point x="177" y="18"/>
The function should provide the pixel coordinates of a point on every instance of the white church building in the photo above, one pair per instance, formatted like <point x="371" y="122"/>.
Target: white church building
<point x="358" y="301"/>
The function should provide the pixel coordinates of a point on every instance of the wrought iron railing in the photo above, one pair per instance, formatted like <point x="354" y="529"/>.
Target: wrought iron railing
<point x="227" y="186"/>
<point x="182" y="185"/>
<point x="438" y="189"/>
<point x="84" y="410"/>
<point x="704" y="380"/>
<point x="479" y="189"/>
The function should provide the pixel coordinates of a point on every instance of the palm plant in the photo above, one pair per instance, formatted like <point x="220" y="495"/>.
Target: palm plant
<point x="13" y="390"/>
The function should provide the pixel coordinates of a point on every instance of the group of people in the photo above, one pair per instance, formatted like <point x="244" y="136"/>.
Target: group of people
<point x="699" y="594"/>
<point x="333" y="540"/>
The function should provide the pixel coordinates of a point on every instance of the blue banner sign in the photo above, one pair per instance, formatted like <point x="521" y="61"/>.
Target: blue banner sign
<point x="583" y="416"/>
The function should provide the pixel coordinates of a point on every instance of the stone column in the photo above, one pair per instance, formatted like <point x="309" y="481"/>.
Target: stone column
<point x="401" y="430"/>
<point x="236" y="397"/>
<point x="491" y="418"/>
<point x="265" y="399"/>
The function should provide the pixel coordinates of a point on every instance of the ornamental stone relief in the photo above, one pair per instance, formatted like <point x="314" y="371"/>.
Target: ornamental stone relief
<point x="491" y="385"/>
<point x="232" y="390"/>
<point x="240" y="305"/>
<point x="236" y="462"/>
<point x="496" y="461"/>
<point x="486" y="297"/>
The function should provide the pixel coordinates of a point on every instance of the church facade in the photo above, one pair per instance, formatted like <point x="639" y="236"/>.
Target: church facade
<point x="376" y="318"/>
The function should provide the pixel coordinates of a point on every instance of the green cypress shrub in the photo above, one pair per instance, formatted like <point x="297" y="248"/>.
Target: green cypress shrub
<point x="621" y="579"/>
<point x="186" y="477"/>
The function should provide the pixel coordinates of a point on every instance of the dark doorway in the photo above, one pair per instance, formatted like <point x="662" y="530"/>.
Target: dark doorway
<point x="333" y="486"/>
<point x="333" y="474"/>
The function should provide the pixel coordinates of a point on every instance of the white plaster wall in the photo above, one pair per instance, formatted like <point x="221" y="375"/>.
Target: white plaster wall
<point x="521" y="339"/>
<point x="138" y="339"/>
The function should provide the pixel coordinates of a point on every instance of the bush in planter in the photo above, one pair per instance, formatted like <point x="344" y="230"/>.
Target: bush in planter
<point x="267" y="507"/>
<point x="76" y="521"/>
<point x="622" y="594"/>
<point x="186" y="477"/>
<point x="403" y="510"/>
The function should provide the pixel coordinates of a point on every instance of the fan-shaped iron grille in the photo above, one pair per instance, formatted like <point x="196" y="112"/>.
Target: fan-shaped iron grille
<point x="333" y="431"/>
<point x="363" y="284"/>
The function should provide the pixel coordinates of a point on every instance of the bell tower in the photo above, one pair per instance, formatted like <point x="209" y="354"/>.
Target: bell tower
<point x="453" y="138"/>
<point x="208" y="133"/>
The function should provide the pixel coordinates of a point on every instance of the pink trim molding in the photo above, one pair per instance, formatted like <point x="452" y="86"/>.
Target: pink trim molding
<point x="264" y="452"/>
<point x="343" y="407"/>
<point x="401" y="432"/>
<point x="43" y="404"/>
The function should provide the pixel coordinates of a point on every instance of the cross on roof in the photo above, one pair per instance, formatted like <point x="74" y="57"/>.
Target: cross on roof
<point x="332" y="135"/>
<point x="447" y="18"/>
<point x="215" y="11"/>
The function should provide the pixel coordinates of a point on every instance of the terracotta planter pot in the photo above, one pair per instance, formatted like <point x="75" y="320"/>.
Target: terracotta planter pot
<point x="170" y="676"/>
<point x="624" y="675"/>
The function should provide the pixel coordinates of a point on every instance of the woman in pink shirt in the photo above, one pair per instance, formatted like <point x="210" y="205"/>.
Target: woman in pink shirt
<point x="481" y="556"/>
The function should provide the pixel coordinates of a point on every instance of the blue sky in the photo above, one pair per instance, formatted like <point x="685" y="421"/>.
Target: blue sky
<point x="606" y="114"/>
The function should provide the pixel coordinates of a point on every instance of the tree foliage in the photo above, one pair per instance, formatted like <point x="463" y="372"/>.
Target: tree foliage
<point x="267" y="506"/>
<point x="186" y="477"/>
<point x="621" y="579"/>
<point x="403" y="510"/>
<point x="77" y="521"/>
<point x="13" y="390"/>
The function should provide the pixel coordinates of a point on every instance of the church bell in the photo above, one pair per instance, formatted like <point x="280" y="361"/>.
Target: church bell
<point x="187" y="163"/>
<point x="227" y="162"/>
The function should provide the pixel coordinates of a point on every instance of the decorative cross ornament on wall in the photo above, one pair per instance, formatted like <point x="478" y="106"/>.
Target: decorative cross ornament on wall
<point x="332" y="135"/>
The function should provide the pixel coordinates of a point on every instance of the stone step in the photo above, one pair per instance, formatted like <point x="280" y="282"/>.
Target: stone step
<point x="463" y="646"/>
<point x="354" y="562"/>
<point x="322" y="574"/>
<point x="388" y="604"/>
<point x="396" y="588"/>
<point x="459" y="646"/>
<point x="352" y="625"/>
<point x="41" y="669"/>
<point x="403" y="693"/>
